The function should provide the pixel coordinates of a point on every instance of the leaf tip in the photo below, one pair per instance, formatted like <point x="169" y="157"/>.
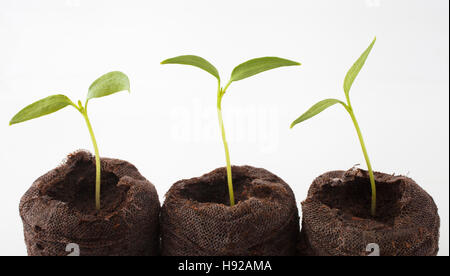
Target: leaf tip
<point x="13" y="121"/>
<point x="166" y="61"/>
<point x="373" y="42"/>
<point x="292" y="125"/>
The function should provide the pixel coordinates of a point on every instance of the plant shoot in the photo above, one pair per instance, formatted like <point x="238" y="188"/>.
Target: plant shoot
<point x="243" y="71"/>
<point x="108" y="84"/>
<point x="321" y="106"/>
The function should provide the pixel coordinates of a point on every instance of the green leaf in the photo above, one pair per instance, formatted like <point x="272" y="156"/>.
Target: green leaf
<point x="108" y="84"/>
<point x="194" y="61"/>
<point x="259" y="65"/>
<point x="316" y="109"/>
<point x="356" y="68"/>
<point x="41" y="108"/>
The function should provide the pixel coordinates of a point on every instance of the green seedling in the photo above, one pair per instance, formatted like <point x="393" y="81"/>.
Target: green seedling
<point x="321" y="106"/>
<point x="243" y="71"/>
<point x="108" y="84"/>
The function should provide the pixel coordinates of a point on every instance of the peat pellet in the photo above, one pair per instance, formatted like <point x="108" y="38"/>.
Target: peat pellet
<point x="60" y="218"/>
<point x="337" y="219"/>
<point x="197" y="220"/>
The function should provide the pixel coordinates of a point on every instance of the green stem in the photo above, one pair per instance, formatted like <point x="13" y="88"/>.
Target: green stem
<point x="97" y="159"/>
<point x="366" y="156"/>
<point x="220" y="94"/>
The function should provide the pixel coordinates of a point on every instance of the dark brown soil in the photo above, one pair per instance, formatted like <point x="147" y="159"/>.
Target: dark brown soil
<point x="353" y="200"/>
<point x="215" y="190"/>
<point x="59" y="209"/>
<point x="337" y="220"/>
<point x="78" y="190"/>
<point x="197" y="219"/>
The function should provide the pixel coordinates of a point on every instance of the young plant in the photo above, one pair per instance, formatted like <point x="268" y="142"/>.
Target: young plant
<point x="321" y="106"/>
<point x="108" y="84"/>
<point x="243" y="71"/>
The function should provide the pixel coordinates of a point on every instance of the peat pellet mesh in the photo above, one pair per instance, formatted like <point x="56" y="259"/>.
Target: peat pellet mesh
<point x="59" y="209"/>
<point x="337" y="220"/>
<point x="196" y="218"/>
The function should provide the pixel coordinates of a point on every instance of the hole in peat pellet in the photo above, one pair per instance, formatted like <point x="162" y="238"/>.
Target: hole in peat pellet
<point x="39" y="247"/>
<point x="78" y="190"/>
<point x="216" y="191"/>
<point x="354" y="199"/>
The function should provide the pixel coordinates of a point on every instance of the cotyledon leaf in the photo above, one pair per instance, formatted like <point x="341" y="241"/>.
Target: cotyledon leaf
<point x="41" y="108"/>
<point x="108" y="84"/>
<point x="356" y="68"/>
<point x="196" y="61"/>
<point x="316" y="109"/>
<point x="259" y="65"/>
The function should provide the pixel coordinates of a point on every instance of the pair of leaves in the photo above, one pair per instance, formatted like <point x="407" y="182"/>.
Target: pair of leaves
<point x="348" y="82"/>
<point x="243" y="71"/>
<point x="107" y="84"/>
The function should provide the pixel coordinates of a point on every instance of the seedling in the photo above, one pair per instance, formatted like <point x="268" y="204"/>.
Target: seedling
<point x="321" y="106"/>
<point x="108" y="84"/>
<point x="243" y="71"/>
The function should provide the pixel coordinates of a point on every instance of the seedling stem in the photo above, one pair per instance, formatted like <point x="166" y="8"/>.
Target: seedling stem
<point x="97" y="158"/>
<point x="349" y="108"/>
<point x="220" y="94"/>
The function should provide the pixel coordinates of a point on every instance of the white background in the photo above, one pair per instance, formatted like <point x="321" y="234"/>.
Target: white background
<point x="168" y="128"/>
